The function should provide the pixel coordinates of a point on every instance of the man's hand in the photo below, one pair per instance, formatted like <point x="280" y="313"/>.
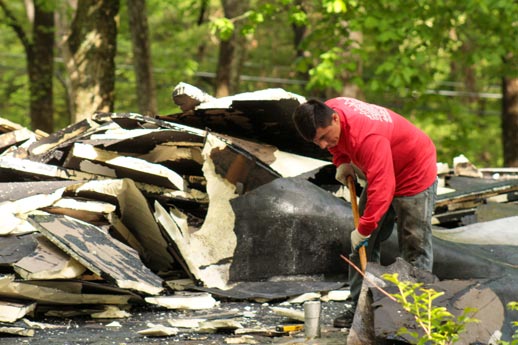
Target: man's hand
<point x="342" y="171"/>
<point x="358" y="240"/>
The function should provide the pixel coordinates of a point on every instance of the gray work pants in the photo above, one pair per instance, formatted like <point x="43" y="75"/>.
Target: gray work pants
<point x="413" y="215"/>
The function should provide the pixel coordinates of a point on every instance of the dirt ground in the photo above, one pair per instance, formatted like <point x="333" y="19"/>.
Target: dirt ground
<point x="80" y="330"/>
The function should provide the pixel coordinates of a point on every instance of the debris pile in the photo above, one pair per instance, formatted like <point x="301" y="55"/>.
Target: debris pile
<point x="223" y="199"/>
<point x="119" y="208"/>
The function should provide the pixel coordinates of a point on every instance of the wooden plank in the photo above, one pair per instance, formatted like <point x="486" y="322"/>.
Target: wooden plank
<point x="287" y="164"/>
<point x="15" y="169"/>
<point x="21" y="150"/>
<point x="10" y="191"/>
<point x="93" y="212"/>
<point x="185" y="160"/>
<point x="168" y="194"/>
<point x="143" y="140"/>
<point x="188" y="97"/>
<point x="8" y="126"/>
<point x="176" y="229"/>
<point x="56" y="292"/>
<point x="12" y="311"/>
<point x="123" y="234"/>
<point x="90" y="159"/>
<point x="42" y="149"/>
<point x="17" y="331"/>
<point x="476" y="195"/>
<point x="133" y="120"/>
<point x="14" y="213"/>
<point x="14" y="137"/>
<point x="198" y="250"/>
<point x="99" y="252"/>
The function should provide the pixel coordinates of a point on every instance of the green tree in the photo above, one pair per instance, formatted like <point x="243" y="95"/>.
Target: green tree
<point x="441" y="64"/>
<point x="407" y="49"/>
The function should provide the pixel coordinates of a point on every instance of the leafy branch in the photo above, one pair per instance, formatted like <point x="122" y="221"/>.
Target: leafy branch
<point x="512" y="306"/>
<point x="439" y="325"/>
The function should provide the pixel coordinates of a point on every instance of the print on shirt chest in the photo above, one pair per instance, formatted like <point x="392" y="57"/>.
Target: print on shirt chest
<point x="373" y="112"/>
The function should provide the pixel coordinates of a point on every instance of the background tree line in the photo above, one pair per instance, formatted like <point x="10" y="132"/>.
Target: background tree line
<point x="450" y="67"/>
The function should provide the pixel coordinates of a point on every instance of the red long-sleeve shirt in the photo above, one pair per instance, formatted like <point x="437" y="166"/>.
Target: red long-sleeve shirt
<point x="397" y="158"/>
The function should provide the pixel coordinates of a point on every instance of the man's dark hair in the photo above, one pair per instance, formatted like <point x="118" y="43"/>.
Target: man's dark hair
<point x="310" y="116"/>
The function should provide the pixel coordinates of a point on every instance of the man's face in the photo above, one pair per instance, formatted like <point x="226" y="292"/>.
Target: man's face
<point x="327" y="137"/>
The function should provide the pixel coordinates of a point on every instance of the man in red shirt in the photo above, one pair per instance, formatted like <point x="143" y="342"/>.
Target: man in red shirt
<point x="398" y="162"/>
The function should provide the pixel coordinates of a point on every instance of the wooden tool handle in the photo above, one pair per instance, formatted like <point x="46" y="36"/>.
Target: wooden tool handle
<point x="356" y="216"/>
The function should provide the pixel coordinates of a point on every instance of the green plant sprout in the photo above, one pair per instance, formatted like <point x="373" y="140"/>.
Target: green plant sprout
<point x="512" y="306"/>
<point x="440" y="327"/>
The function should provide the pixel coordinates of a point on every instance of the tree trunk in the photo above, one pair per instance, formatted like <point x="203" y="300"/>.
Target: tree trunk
<point x="510" y="121"/>
<point x="39" y="58"/>
<point x="231" y="51"/>
<point x="90" y="57"/>
<point x="299" y="34"/>
<point x="40" y="67"/>
<point x="142" y="57"/>
<point x="202" y="19"/>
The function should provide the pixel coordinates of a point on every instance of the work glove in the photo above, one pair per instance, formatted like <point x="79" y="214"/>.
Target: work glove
<point x="358" y="240"/>
<point x="342" y="171"/>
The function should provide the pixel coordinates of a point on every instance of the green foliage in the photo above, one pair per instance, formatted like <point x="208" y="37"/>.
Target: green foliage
<point x="181" y="46"/>
<point x="408" y="46"/>
<point x="437" y="323"/>
<point x="46" y="5"/>
<point x="14" y="91"/>
<point x="324" y="74"/>
<point x="514" y="341"/>
<point x="455" y="127"/>
<point x="254" y="18"/>
<point x="334" y="6"/>
<point x="406" y="54"/>
<point x="223" y="28"/>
